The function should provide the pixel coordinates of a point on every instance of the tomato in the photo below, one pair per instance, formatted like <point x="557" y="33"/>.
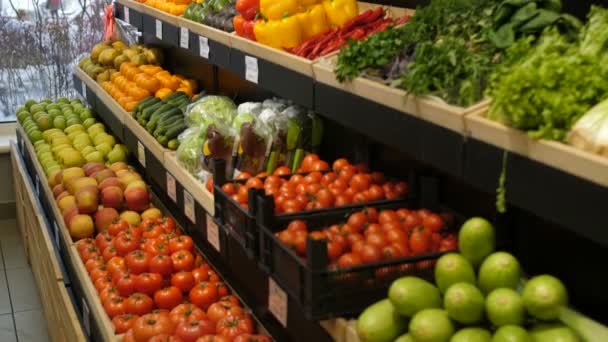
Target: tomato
<point x="420" y="241"/>
<point x="222" y="289"/>
<point x="349" y="260"/>
<point x="372" y="214"/>
<point x="360" y="182"/>
<point x="401" y="189"/>
<point x="370" y="253"/>
<point x="292" y="206"/>
<point x="114" y="306"/>
<point x="117" y="226"/>
<point x="99" y="272"/>
<point x="183" y="242"/>
<point x="378" y="178"/>
<point x="231" y="299"/>
<point x="281" y="171"/>
<point x="165" y="338"/>
<point x="148" y="283"/>
<point x="221" y="309"/>
<point x="252" y="338"/>
<point x="191" y="331"/>
<point x="243" y="175"/>
<point x="161" y="264"/>
<point x="339" y="164"/>
<point x="386" y="216"/>
<point x="412" y="221"/>
<point x="109" y="252"/>
<point x="376" y="239"/>
<point x="233" y="326"/>
<point x="391" y="252"/>
<point x="183" y="280"/>
<point x="319" y="165"/>
<point x="137" y="261"/>
<point x="167" y="224"/>
<point x="254" y="183"/>
<point x="89" y="252"/>
<point x="116" y="265"/>
<point x="375" y="193"/>
<point x="103" y="240"/>
<point x="360" y="197"/>
<point x="83" y="244"/>
<point x="358" y="221"/>
<point x="200" y="274"/>
<point x="155" y="247"/>
<point x="150" y="325"/>
<point x="346" y="173"/>
<point x="402" y="213"/>
<point x="342" y="200"/>
<point x="107" y="293"/>
<point x="129" y="335"/>
<point x="168" y="298"/>
<point x="229" y="188"/>
<point x="325" y="198"/>
<point x="448" y="243"/>
<point x="102" y="283"/>
<point x="433" y="222"/>
<point x="93" y="263"/>
<point x="203" y="294"/>
<point x="396" y="236"/>
<point x="186" y="312"/>
<point x="308" y="161"/>
<point x="125" y="244"/>
<point x="273" y="181"/>
<point x="124" y="322"/>
<point x="213" y="277"/>
<point x="334" y="250"/>
<point x="182" y="260"/>
<point x="213" y="338"/>
<point x="126" y="285"/>
<point x="152" y="231"/>
<point x="139" y="304"/>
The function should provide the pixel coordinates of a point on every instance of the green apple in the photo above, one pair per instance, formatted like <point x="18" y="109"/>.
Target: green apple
<point x="49" y="171"/>
<point x="117" y="155"/>
<point x="29" y="103"/>
<point x="75" y="101"/>
<point x="104" y="148"/>
<point x="60" y="140"/>
<point x="96" y="129"/>
<point x="104" y="137"/>
<point x="73" y="121"/>
<point x="36" y="108"/>
<point x="96" y="157"/>
<point x="78" y="108"/>
<point x="58" y="148"/>
<point x="75" y="127"/>
<point x="35" y="135"/>
<point x="87" y="149"/>
<point x="73" y="159"/>
<point x="89" y="122"/>
<point x="59" y="122"/>
<point x="82" y="138"/>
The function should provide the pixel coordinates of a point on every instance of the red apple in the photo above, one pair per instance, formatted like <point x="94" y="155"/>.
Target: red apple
<point x="69" y="214"/>
<point x="112" y="197"/>
<point x="55" y="178"/>
<point x="119" y="166"/>
<point x="67" y="202"/>
<point x="62" y="195"/>
<point x="104" y="217"/>
<point x="91" y="168"/>
<point x="57" y="190"/>
<point x="75" y="184"/>
<point x="137" y="198"/>
<point x="100" y="176"/>
<point x="81" y="226"/>
<point x="112" y="181"/>
<point x="87" y="199"/>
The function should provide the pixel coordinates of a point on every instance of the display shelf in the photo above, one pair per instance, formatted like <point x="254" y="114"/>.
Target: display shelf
<point x="188" y="181"/>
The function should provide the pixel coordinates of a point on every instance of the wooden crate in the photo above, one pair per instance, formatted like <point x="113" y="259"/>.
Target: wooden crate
<point x="112" y="105"/>
<point x="18" y="171"/>
<point x="425" y="107"/>
<point x="194" y="187"/>
<point x="563" y="157"/>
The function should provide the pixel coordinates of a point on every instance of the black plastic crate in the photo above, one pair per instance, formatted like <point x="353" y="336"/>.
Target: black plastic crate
<point x="323" y="292"/>
<point x="241" y="222"/>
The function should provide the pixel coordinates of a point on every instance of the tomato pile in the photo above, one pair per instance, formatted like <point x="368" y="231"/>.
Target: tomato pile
<point x="370" y="236"/>
<point x="154" y="285"/>
<point x="319" y="187"/>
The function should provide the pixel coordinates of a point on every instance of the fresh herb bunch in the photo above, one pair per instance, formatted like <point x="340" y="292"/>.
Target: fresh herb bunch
<point x="544" y="86"/>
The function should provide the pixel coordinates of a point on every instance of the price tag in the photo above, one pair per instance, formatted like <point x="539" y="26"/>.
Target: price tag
<point x="184" y="38"/>
<point x="277" y="301"/>
<point x="37" y="185"/>
<point x="86" y="317"/>
<point x="141" y="154"/>
<point x="251" y="69"/>
<point x="213" y="234"/>
<point x="189" y="207"/>
<point x="159" y="29"/>
<point x="84" y="90"/>
<point x="171" y="187"/>
<point x="203" y="47"/>
<point x="56" y="233"/>
<point x="127" y="19"/>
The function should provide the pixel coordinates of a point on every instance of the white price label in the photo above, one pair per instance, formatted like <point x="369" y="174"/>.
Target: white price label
<point x="213" y="234"/>
<point x="159" y="29"/>
<point x="251" y="69"/>
<point x="171" y="187"/>
<point x="37" y="186"/>
<point x="84" y="90"/>
<point x="203" y="47"/>
<point x="189" y="207"/>
<point x="86" y="316"/>
<point x="141" y="154"/>
<point x="277" y="301"/>
<point x="127" y="19"/>
<point x="56" y="233"/>
<point x="184" y="38"/>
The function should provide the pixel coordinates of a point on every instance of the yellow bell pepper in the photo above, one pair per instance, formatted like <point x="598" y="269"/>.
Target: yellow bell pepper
<point x="307" y="3"/>
<point x="313" y="21"/>
<point x="277" y="9"/>
<point x="283" y="33"/>
<point x="340" y="11"/>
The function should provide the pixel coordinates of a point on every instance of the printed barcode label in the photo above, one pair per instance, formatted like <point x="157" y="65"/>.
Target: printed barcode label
<point x="277" y="301"/>
<point x="184" y="38"/>
<point x="203" y="46"/>
<point x="189" y="207"/>
<point x="251" y="69"/>
<point x="213" y="234"/>
<point x="159" y="29"/>
<point x="141" y="154"/>
<point x="127" y="19"/>
<point x="171" y="187"/>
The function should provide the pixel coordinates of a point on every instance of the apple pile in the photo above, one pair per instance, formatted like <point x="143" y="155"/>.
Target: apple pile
<point x="95" y="195"/>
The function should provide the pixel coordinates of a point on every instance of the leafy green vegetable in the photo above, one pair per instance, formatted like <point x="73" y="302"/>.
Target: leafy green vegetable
<point x="544" y="86"/>
<point x="210" y="109"/>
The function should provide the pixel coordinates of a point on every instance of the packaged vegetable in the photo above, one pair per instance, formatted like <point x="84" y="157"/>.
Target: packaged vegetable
<point x="209" y="109"/>
<point x="189" y="151"/>
<point x="590" y="132"/>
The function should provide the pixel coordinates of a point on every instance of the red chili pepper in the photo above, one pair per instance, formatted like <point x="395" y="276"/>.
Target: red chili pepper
<point x="402" y="20"/>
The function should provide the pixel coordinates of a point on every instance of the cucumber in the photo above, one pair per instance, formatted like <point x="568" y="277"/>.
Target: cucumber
<point x="162" y="140"/>
<point x="144" y="103"/>
<point x="163" y="129"/>
<point x="178" y="100"/>
<point x="174" y="131"/>
<point x="162" y="109"/>
<point x="173" y="144"/>
<point x="174" y="95"/>
<point x="149" y="110"/>
<point x="156" y="117"/>
<point x="170" y="120"/>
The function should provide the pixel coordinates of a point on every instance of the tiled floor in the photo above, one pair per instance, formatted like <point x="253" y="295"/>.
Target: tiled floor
<point x="21" y="316"/>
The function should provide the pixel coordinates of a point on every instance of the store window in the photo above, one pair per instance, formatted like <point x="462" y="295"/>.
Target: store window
<point x="39" y="44"/>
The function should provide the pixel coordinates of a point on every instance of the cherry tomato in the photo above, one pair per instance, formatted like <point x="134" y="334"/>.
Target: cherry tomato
<point x="308" y="160"/>
<point x="139" y="304"/>
<point x="349" y="260"/>
<point x="168" y="298"/>
<point x="148" y="283"/>
<point x="126" y="285"/>
<point x="319" y="165"/>
<point x="433" y="222"/>
<point x="203" y="294"/>
<point x="183" y="280"/>
<point x="186" y="313"/>
<point x="137" y="261"/>
<point x="124" y="322"/>
<point x="281" y="171"/>
<point x="371" y="253"/>
<point x="377" y="239"/>
<point x="339" y="164"/>
<point x="161" y="264"/>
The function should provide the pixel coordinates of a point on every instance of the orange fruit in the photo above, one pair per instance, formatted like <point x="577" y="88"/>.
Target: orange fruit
<point x="162" y="93"/>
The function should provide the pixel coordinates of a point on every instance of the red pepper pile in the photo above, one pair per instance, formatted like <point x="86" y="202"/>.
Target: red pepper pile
<point x="360" y="27"/>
